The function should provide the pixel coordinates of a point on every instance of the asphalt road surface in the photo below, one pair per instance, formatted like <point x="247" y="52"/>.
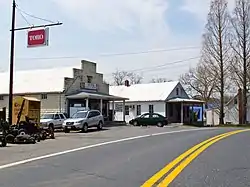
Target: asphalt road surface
<point x="222" y="161"/>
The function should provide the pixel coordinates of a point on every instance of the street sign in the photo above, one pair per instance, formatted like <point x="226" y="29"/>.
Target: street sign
<point x="38" y="37"/>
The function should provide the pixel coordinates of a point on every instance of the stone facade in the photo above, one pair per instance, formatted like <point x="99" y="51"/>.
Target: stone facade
<point x="86" y="75"/>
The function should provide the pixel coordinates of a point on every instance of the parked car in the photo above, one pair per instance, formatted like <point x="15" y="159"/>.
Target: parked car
<point x="53" y="120"/>
<point x="83" y="120"/>
<point x="149" y="119"/>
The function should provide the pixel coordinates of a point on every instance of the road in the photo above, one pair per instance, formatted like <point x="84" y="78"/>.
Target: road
<point x="132" y="162"/>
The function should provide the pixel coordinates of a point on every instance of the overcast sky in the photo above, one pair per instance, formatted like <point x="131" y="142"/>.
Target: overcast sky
<point x="93" y="28"/>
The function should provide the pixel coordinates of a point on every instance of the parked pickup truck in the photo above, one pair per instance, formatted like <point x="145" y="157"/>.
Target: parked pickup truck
<point x="54" y="120"/>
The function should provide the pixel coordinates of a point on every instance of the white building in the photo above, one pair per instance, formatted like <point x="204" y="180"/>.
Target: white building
<point x="168" y="99"/>
<point x="63" y="89"/>
<point x="232" y="110"/>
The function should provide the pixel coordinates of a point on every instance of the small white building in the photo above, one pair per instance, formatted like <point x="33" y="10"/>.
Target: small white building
<point x="168" y="99"/>
<point x="232" y="110"/>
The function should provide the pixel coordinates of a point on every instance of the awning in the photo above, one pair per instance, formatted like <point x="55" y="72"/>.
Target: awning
<point x="182" y="100"/>
<point x="91" y="95"/>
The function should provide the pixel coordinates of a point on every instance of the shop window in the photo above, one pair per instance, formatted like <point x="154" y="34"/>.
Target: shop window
<point x="138" y="110"/>
<point x="89" y="79"/>
<point x="1" y="97"/>
<point x="126" y="110"/>
<point x="44" y="96"/>
<point x="151" y="109"/>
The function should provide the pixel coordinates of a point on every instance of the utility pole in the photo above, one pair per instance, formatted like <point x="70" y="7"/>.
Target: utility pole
<point x="12" y="50"/>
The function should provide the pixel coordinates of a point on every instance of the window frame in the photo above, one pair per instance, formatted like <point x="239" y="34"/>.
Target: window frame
<point x="126" y="110"/>
<point x="138" y="110"/>
<point x="44" y="96"/>
<point x="151" y="110"/>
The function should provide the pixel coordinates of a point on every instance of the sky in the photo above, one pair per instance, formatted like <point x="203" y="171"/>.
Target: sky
<point x="154" y="38"/>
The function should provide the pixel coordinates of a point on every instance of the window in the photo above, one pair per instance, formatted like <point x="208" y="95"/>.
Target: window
<point x="81" y="114"/>
<point x="138" y="110"/>
<point x="151" y="109"/>
<point x="1" y="97"/>
<point x="145" y="116"/>
<point x="126" y="110"/>
<point x="177" y="91"/>
<point x="44" y="96"/>
<point x="81" y="78"/>
<point x="57" y="116"/>
<point x="89" y="79"/>
<point x="62" y="116"/>
<point x="96" y="113"/>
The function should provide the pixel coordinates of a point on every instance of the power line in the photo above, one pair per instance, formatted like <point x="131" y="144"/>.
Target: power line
<point x="155" y="68"/>
<point x="166" y="64"/>
<point x="24" y="17"/>
<point x="115" y="54"/>
<point x="36" y="17"/>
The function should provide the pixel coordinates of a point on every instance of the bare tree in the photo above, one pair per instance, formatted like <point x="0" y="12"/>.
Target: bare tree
<point x="159" y="80"/>
<point x="240" y="44"/>
<point x="198" y="81"/>
<point x="120" y="77"/>
<point x="216" y="50"/>
<point x="134" y="78"/>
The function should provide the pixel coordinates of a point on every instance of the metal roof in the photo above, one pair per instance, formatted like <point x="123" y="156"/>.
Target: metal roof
<point x="95" y="96"/>
<point x="145" y="92"/>
<point x="180" y="100"/>
<point x="37" y="80"/>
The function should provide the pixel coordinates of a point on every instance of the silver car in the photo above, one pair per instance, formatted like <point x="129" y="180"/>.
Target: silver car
<point x="83" y="120"/>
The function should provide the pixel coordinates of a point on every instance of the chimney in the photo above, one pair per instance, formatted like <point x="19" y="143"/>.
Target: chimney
<point x="127" y="83"/>
<point x="240" y="106"/>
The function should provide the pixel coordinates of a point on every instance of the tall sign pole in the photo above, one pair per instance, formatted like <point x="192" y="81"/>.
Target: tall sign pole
<point x="35" y="38"/>
<point x="12" y="50"/>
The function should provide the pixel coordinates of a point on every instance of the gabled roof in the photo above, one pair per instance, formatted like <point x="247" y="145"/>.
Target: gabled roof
<point x="36" y="81"/>
<point x="144" y="92"/>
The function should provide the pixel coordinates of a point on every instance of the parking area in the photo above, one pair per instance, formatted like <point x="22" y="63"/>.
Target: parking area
<point x="63" y="142"/>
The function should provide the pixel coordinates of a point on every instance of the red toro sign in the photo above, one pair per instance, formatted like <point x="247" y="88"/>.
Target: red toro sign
<point x="38" y="37"/>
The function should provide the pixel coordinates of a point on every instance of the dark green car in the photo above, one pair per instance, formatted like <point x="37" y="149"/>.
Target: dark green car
<point x="149" y="119"/>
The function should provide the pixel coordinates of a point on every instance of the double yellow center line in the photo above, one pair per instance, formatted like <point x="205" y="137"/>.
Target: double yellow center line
<point x="183" y="160"/>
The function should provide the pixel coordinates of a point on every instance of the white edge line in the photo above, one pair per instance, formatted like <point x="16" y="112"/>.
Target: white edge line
<point x="92" y="146"/>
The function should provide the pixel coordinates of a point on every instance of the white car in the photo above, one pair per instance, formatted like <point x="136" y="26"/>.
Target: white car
<point x="52" y="120"/>
<point x="83" y="120"/>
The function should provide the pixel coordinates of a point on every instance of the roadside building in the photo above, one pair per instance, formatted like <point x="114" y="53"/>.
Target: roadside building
<point x="65" y="89"/>
<point x="168" y="99"/>
<point x="234" y="109"/>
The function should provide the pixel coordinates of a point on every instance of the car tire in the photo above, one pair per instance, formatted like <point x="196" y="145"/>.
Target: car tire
<point x="3" y="142"/>
<point x="51" y="125"/>
<point x="85" y="128"/>
<point x="22" y="132"/>
<point x="160" y="124"/>
<point x="135" y="123"/>
<point x="100" y="125"/>
<point x="66" y="130"/>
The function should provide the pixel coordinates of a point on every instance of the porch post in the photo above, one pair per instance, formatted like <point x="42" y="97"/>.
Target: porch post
<point x="87" y="103"/>
<point x="182" y="113"/>
<point x="107" y="110"/>
<point x="123" y="110"/>
<point x="113" y="110"/>
<point x="101" y="106"/>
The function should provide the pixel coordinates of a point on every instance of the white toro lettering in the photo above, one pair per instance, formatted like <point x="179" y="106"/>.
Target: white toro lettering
<point x="36" y="37"/>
